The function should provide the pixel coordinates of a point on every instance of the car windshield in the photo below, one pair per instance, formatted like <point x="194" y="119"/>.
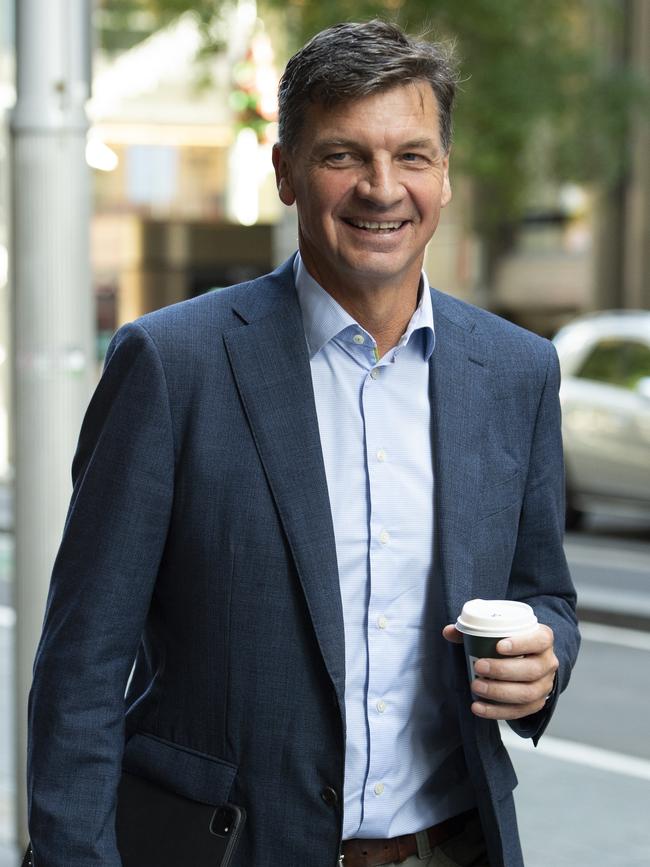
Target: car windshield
<point x="615" y="361"/>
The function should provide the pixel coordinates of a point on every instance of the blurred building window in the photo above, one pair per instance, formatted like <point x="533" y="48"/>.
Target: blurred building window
<point x="152" y="174"/>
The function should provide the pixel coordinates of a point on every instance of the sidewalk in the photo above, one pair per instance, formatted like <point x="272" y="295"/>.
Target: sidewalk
<point x="572" y="816"/>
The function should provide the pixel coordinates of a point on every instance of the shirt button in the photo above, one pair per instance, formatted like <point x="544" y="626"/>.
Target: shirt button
<point x="381" y="455"/>
<point x="381" y="706"/>
<point x="329" y="796"/>
<point x="379" y="789"/>
<point x="359" y="339"/>
<point x="384" y="537"/>
<point x="374" y="373"/>
<point x="382" y="622"/>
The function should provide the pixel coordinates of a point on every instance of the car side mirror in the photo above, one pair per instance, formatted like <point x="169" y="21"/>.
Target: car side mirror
<point x="642" y="387"/>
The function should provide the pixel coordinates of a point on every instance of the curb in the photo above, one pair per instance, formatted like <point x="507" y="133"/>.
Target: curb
<point x="625" y="609"/>
<point x="623" y="619"/>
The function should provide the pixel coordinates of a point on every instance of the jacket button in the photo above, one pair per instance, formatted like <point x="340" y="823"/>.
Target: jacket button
<point x="329" y="796"/>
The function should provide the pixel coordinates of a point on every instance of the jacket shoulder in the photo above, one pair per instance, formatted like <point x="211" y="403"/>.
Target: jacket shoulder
<point x="501" y="335"/>
<point x="199" y="322"/>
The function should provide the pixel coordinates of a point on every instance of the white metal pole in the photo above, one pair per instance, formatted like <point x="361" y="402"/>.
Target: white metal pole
<point x="53" y="310"/>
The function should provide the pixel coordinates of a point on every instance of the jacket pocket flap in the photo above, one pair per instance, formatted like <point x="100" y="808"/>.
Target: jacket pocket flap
<point x="187" y="772"/>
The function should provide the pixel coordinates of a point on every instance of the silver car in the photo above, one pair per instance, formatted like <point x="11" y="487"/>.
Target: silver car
<point x="605" y="396"/>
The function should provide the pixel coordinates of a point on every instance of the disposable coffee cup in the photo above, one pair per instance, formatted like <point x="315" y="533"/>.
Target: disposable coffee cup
<point x="484" y="622"/>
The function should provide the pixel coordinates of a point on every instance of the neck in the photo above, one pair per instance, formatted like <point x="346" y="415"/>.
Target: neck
<point x="383" y="314"/>
<point x="383" y="309"/>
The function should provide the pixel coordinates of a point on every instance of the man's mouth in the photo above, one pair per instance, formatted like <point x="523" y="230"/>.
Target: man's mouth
<point x="378" y="227"/>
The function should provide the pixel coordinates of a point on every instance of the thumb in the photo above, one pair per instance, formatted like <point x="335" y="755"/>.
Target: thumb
<point x="452" y="634"/>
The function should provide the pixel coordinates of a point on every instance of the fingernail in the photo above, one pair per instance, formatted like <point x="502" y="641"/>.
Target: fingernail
<point x="482" y="667"/>
<point x="505" y="646"/>
<point x="480" y="709"/>
<point x="479" y="686"/>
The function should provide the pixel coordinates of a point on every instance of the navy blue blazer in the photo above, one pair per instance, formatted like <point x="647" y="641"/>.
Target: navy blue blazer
<point x="199" y="542"/>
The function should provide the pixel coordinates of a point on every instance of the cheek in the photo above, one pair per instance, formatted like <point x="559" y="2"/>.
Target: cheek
<point x="320" y="202"/>
<point x="327" y="196"/>
<point x="429" y="206"/>
<point x="318" y="216"/>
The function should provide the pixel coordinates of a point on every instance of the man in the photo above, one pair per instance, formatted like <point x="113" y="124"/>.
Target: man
<point x="284" y="492"/>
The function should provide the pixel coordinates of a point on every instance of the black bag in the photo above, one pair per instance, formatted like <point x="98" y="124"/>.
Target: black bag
<point x="158" y="828"/>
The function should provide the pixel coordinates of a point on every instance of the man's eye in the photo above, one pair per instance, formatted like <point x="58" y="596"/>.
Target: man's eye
<point x="413" y="158"/>
<point x="340" y="157"/>
<point x="343" y="159"/>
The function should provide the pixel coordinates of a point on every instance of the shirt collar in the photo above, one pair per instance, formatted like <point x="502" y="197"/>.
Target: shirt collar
<point x="323" y="318"/>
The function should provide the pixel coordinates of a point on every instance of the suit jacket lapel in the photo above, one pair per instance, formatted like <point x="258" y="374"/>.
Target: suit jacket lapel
<point x="460" y="404"/>
<point x="270" y="364"/>
<point x="271" y="368"/>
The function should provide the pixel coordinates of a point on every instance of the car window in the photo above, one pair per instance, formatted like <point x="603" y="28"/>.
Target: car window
<point x="617" y="362"/>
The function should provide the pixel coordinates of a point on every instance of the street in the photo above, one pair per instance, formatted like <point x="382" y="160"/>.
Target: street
<point x="584" y="793"/>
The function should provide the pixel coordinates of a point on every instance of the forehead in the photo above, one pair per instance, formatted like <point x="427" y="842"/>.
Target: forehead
<point x="409" y="110"/>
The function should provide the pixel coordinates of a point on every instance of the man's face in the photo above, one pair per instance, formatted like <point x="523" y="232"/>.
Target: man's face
<point x="369" y="178"/>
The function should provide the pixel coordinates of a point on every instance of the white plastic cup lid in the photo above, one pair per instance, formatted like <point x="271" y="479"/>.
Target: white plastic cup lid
<point x="495" y="618"/>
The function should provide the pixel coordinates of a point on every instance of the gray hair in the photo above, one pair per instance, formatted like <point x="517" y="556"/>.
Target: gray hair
<point x="350" y="61"/>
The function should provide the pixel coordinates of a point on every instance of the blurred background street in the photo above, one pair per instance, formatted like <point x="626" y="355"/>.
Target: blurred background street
<point x="135" y="172"/>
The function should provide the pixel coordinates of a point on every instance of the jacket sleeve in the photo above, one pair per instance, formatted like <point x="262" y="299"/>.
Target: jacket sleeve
<point x="540" y="574"/>
<point x="101" y="586"/>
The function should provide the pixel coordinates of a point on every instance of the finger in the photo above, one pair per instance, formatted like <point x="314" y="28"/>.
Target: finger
<point x="506" y="711"/>
<point x="452" y="634"/>
<point x="526" y="669"/>
<point x="533" y="642"/>
<point x="513" y="693"/>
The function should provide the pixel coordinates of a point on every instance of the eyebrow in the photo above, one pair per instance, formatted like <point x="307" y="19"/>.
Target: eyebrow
<point x="418" y="143"/>
<point x="326" y="144"/>
<point x="351" y="144"/>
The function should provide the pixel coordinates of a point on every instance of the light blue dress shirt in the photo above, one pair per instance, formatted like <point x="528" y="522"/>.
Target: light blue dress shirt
<point x="404" y="766"/>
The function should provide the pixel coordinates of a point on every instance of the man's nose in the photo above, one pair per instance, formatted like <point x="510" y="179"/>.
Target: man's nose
<point x="380" y="184"/>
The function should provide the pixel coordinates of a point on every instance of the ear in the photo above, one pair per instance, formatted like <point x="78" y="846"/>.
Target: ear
<point x="445" y="195"/>
<point x="283" y="176"/>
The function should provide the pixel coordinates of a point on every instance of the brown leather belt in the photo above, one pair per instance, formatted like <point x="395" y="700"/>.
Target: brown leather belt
<point x="372" y="853"/>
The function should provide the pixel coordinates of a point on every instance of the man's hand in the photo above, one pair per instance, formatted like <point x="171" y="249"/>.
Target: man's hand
<point x="520" y="684"/>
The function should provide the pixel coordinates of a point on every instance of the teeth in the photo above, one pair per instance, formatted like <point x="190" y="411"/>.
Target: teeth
<point x="367" y="224"/>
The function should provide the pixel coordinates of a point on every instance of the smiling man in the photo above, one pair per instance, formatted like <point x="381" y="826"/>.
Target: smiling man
<point x="369" y="178"/>
<point x="284" y="494"/>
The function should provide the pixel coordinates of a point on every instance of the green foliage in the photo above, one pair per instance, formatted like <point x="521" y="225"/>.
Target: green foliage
<point x="124" y="23"/>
